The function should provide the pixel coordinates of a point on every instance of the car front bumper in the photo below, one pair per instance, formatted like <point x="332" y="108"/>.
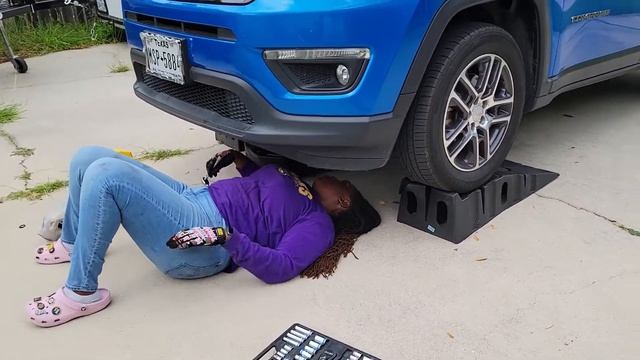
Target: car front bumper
<point x="240" y="112"/>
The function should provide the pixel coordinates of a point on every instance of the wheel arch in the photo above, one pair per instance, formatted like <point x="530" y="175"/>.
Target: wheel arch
<point x="492" y="11"/>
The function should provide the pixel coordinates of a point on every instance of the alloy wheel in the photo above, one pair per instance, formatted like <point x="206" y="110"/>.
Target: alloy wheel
<point x="479" y="110"/>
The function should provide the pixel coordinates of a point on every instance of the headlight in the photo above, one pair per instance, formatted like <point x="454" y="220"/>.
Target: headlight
<point x="102" y="6"/>
<point x="318" y="70"/>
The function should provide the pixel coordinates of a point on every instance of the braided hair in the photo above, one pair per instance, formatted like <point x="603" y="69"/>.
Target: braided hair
<point x="358" y="219"/>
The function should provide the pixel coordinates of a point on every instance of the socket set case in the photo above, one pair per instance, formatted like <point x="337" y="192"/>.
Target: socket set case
<point x="302" y="343"/>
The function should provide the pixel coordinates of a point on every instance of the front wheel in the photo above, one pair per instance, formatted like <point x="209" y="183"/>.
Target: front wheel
<point x="467" y="110"/>
<point x="20" y="65"/>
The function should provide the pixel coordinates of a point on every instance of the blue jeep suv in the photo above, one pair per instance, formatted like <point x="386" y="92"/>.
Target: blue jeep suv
<point x="341" y="84"/>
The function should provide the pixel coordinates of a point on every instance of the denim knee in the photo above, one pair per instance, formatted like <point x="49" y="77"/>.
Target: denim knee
<point x="85" y="156"/>
<point x="106" y="169"/>
<point x="188" y="272"/>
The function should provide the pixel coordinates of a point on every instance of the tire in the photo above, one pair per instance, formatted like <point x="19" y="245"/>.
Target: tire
<point x="470" y="48"/>
<point x="20" y="65"/>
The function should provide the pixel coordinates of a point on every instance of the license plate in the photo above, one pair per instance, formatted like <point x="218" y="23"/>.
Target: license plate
<point x="164" y="56"/>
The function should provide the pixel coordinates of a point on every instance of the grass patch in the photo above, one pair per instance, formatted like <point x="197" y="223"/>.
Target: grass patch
<point x="22" y="151"/>
<point x="162" y="154"/>
<point x="29" y="41"/>
<point x="39" y="191"/>
<point x="25" y="176"/>
<point x="9" y="114"/>
<point x="119" y="68"/>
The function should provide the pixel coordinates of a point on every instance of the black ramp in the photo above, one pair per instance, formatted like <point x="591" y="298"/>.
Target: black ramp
<point x="453" y="216"/>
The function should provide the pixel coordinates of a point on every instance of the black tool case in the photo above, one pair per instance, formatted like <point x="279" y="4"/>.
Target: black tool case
<point x="302" y="343"/>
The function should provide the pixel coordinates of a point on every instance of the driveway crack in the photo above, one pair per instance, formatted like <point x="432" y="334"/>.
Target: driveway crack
<point x="616" y="223"/>
<point x="22" y="152"/>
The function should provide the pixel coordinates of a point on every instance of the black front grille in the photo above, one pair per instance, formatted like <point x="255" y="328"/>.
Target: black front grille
<point x="221" y="101"/>
<point x="314" y="75"/>
<point x="215" y="32"/>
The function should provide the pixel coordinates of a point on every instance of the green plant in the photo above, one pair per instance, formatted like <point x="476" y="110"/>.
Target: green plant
<point x="9" y="113"/>
<point x="39" y="191"/>
<point x="22" y="151"/>
<point x="25" y="176"/>
<point x="162" y="154"/>
<point x="631" y="231"/>
<point x="119" y="68"/>
<point x="28" y="40"/>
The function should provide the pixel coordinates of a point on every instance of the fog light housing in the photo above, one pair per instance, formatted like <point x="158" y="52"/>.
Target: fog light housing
<point x="327" y="71"/>
<point x="342" y="73"/>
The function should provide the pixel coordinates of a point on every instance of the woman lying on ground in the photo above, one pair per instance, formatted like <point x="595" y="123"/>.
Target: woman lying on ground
<point x="268" y="221"/>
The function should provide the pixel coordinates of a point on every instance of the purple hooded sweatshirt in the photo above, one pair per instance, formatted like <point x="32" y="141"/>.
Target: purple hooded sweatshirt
<point x="279" y="227"/>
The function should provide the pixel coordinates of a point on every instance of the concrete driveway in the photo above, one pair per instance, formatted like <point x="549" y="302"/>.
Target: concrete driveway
<point x="561" y="279"/>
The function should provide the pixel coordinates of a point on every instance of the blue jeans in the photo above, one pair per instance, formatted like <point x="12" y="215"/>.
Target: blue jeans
<point x="107" y="189"/>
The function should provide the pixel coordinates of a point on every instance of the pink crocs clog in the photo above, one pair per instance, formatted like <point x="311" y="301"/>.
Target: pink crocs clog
<point x="57" y="309"/>
<point x="52" y="253"/>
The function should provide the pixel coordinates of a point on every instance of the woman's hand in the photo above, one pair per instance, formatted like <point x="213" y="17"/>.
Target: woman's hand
<point x="238" y="158"/>
<point x="224" y="159"/>
<point x="227" y="152"/>
<point x="198" y="236"/>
